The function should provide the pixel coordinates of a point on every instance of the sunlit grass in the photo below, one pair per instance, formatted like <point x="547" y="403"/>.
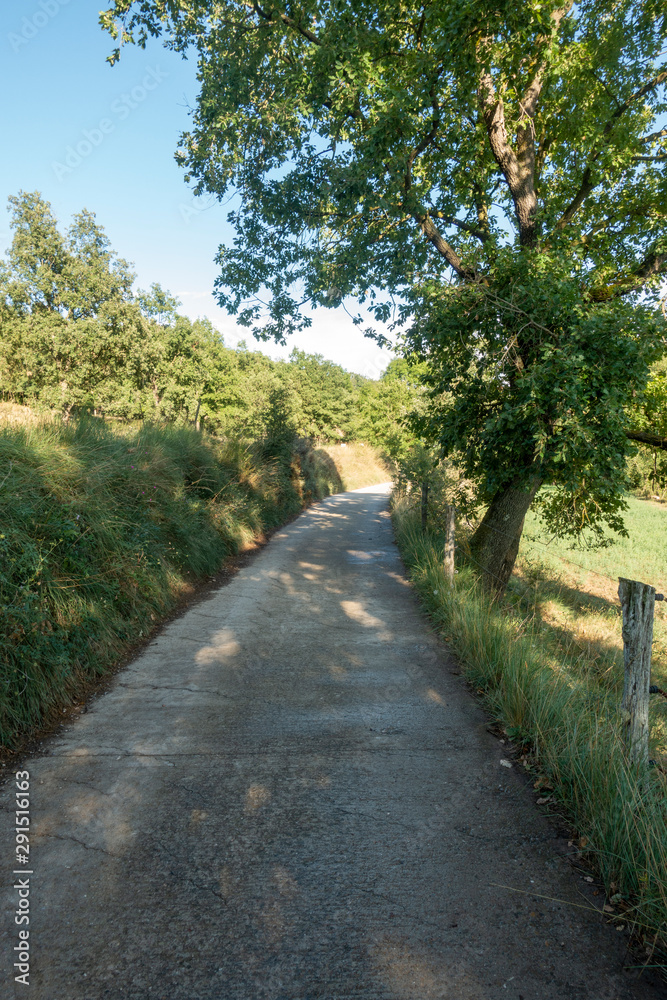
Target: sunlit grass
<point x="358" y="464"/>
<point x="573" y="591"/>
<point x="103" y="528"/>
<point x="548" y="663"/>
<point x="640" y="556"/>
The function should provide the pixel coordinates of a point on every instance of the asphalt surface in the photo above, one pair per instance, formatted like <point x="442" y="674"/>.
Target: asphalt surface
<point x="291" y="794"/>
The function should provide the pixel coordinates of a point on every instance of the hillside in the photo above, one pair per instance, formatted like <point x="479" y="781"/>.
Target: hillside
<point x="104" y="528"/>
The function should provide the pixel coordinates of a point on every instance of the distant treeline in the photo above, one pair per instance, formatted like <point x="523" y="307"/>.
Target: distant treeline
<point x="76" y="338"/>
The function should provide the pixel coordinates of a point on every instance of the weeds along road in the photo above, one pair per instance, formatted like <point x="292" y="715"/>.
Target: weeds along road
<point x="290" y="795"/>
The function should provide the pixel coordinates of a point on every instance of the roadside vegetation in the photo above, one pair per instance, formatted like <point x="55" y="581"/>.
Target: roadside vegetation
<point x="104" y="528"/>
<point x="547" y="660"/>
<point x="137" y="451"/>
<point x="76" y="339"/>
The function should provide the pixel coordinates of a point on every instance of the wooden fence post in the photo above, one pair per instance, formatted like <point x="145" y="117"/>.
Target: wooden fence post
<point x="637" y="603"/>
<point x="424" y="505"/>
<point x="450" y="544"/>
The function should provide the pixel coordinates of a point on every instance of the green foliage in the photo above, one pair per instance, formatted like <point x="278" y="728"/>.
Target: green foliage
<point x="326" y="394"/>
<point x="75" y="339"/>
<point x="72" y="275"/>
<point x="647" y="472"/>
<point x="280" y="434"/>
<point x="556" y="402"/>
<point x="652" y="415"/>
<point x="492" y="177"/>
<point x="386" y="406"/>
<point x="647" y="468"/>
<point x="101" y="530"/>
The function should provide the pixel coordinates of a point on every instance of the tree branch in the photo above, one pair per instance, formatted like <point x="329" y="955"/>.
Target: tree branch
<point x="444" y="248"/>
<point x="427" y="139"/>
<point x="420" y="29"/>
<point x="517" y="173"/>
<point x="482" y="210"/>
<point x="518" y="168"/>
<point x="652" y="439"/>
<point x="587" y="182"/>
<point x="481" y="234"/>
<point x="654" y="135"/>
<point x="653" y="264"/>
<point x="614" y="220"/>
<point x="289" y="21"/>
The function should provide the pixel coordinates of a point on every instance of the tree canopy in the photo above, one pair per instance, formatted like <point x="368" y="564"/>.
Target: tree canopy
<point x="76" y="338"/>
<point x="492" y="176"/>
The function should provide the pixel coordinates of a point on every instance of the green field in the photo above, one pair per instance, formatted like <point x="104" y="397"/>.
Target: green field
<point x="573" y="592"/>
<point x="640" y="556"/>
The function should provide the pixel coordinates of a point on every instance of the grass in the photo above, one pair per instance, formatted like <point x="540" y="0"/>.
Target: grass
<point x="358" y="464"/>
<point x="640" y="556"/>
<point x="559" y="703"/>
<point x="14" y="413"/>
<point x="103" y="529"/>
<point x="572" y="595"/>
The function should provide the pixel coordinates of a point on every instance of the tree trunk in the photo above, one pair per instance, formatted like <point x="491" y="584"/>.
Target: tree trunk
<point x="424" y="506"/>
<point x="450" y="545"/>
<point x="495" y="543"/>
<point x="638" y="603"/>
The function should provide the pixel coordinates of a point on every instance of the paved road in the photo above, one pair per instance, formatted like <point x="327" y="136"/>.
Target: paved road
<point x="290" y="795"/>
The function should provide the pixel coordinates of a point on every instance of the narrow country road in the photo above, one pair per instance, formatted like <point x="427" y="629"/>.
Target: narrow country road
<point x="292" y="795"/>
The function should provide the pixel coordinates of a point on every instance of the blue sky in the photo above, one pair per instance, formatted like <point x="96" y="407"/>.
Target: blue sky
<point x="88" y="135"/>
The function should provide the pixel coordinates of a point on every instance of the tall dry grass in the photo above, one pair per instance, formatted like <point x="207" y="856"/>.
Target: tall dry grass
<point x="358" y="464"/>
<point x="566" y="720"/>
<point x="102" y="528"/>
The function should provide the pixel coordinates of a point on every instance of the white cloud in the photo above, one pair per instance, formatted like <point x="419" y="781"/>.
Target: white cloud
<point x="332" y="334"/>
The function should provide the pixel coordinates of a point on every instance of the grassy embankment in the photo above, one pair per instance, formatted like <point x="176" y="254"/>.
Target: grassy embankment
<point x="548" y="662"/>
<point x="358" y="464"/>
<point x="104" y="529"/>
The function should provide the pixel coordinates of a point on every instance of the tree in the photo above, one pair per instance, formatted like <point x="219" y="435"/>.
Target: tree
<point x="33" y="275"/>
<point x="648" y="468"/>
<point x="649" y="420"/>
<point x="75" y="338"/>
<point x="74" y="275"/>
<point x="387" y="405"/>
<point x="326" y="393"/>
<point x="490" y="175"/>
<point x="66" y="323"/>
<point x="93" y="275"/>
<point x="158" y="304"/>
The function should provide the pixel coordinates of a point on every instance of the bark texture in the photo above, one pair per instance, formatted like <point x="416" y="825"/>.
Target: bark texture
<point x="450" y="545"/>
<point x="495" y="543"/>
<point x="653" y="439"/>
<point x="637" y="601"/>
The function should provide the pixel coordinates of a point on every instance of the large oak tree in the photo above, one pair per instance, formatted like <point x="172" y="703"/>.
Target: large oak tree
<point x="490" y="174"/>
